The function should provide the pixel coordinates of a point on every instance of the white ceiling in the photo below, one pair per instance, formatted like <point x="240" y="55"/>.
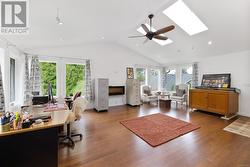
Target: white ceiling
<point x="228" y="23"/>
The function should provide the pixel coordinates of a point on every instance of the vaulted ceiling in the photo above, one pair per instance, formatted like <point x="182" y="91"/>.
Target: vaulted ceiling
<point x="85" y="22"/>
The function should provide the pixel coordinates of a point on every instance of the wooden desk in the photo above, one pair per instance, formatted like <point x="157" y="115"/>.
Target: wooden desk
<point x="32" y="147"/>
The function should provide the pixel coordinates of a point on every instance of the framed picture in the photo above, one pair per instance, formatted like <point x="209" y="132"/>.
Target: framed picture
<point x="130" y="73"/>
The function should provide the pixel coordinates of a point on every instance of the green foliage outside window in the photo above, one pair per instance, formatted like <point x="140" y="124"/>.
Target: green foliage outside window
<point x="48" y="75"/>
<point x="75" y="79"/>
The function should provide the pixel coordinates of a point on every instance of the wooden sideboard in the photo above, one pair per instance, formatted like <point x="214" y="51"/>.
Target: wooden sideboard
<point x="217" y="101"/>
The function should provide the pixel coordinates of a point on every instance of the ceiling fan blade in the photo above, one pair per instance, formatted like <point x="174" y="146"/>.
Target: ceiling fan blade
<point x="145" y="41"/>
<point x="150" y="24"/>
<point x="164" y="30"/>
<point x="160" y="37"/>
<point x="139" y="36"/>
<point x="145" y="28"/>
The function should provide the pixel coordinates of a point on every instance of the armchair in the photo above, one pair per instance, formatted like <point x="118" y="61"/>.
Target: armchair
<point x="181" y="94"/>
<point x="147" y="96"/>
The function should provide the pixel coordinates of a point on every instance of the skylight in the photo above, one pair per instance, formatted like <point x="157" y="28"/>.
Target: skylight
<point x="180" y="13"/>
<point x="161" y="42"/>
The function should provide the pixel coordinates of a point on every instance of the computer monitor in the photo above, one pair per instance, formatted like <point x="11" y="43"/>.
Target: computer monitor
<point x="50" y="93"/>
<point x="39" y="100"/>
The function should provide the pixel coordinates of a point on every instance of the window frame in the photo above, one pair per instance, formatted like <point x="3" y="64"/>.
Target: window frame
<point x="147" y="75"/>
<point x="176" y="71"/>
<point x="57" y="74"/>
<point x="185" y="67"/>
<point x="12" y="78"/>
<point x="61" y="70"/>
<point x="158" y="79"/>
<point x="84" y="74"/>
<point x="145" y="81"/>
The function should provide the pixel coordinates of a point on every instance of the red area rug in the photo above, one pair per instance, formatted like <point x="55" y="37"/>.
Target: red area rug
<point x="157" y="129"/>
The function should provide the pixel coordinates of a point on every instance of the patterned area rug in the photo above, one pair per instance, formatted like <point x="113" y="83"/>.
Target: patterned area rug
<point x="157" y="129"/>
<point x="240" y="126"/>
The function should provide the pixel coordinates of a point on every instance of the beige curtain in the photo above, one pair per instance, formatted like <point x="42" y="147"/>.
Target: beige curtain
<point x="35" y="75"/>
<point x="27" y="92"/>
<point x="195" y="75"/>
<point x="88" y="85"/>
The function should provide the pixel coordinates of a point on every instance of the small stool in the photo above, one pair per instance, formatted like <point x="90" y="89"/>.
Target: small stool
<point x="165" y="103"/>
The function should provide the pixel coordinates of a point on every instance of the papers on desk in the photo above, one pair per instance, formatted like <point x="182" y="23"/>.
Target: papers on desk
<point x="55" y="107"/>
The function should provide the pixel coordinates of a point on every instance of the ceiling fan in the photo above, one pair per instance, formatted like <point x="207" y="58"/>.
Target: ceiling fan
<point x="150" y="34"/>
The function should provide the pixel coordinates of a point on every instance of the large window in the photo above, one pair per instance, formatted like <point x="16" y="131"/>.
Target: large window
<point x="12" y="79"/>
<point x="186" y="75"/>
<point x="75" y="79"/>
<point x="154" y="78"/>
<point x="48" y="75"/>
<point x="141" y="75"/>
<point x="171" y="80"/>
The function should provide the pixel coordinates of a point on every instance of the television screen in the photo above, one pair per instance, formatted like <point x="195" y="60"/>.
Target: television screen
<point x="216" y="80"/>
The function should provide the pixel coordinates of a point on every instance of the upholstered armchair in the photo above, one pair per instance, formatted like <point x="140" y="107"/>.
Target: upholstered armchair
<point x="181" y="94"/>
<point x="147" y="96"/>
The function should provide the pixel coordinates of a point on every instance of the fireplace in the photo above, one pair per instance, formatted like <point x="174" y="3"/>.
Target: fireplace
<point x="116" y="90"/>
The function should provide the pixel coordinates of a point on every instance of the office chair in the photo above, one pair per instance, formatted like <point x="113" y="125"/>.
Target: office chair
<point x="79" y="106"/>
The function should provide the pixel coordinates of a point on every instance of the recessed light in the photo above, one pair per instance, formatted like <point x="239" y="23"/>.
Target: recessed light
<point x="161" y="42"/>
<point x="102" y="37"/>
<point x="184" y="17"/>
<point x="210" y="42"/>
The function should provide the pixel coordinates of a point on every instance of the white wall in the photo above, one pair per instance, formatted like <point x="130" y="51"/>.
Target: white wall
<point x="238" y="64"/>
<point x="7" y="53"/>
<point x="109" y="60"/>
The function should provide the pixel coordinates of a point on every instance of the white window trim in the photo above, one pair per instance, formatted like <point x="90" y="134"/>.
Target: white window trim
<point x="61" y="71"/>
<point x="12" y="103"/>
<point x="84" y="64"/>
<point x="182" y="67"/>
<point x="57" y="74"/>
<point x="147" y="74"/>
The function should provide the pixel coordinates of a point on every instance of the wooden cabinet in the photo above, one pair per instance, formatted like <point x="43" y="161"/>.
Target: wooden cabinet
<point x="133" y="92"/>
<point x="101" y="93"/>
<point x="216" y="101"/>
<point x="199" y="99"/>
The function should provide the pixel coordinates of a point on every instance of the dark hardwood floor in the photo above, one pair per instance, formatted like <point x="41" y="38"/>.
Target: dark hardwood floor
<point x="106" y="143"/>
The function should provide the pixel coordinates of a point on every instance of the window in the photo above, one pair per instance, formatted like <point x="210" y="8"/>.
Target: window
<point x="153" y="79"/>
<point x="75" y="79"/>
<point x="141" y="75"/>
<point x="48" y="75"/>
<point x="12" y="79"/>
<point x="171" y="80"/>
<point x="186" y="75"/>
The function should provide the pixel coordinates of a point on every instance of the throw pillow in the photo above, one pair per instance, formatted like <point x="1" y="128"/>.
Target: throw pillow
<point x="180" y="92"/>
